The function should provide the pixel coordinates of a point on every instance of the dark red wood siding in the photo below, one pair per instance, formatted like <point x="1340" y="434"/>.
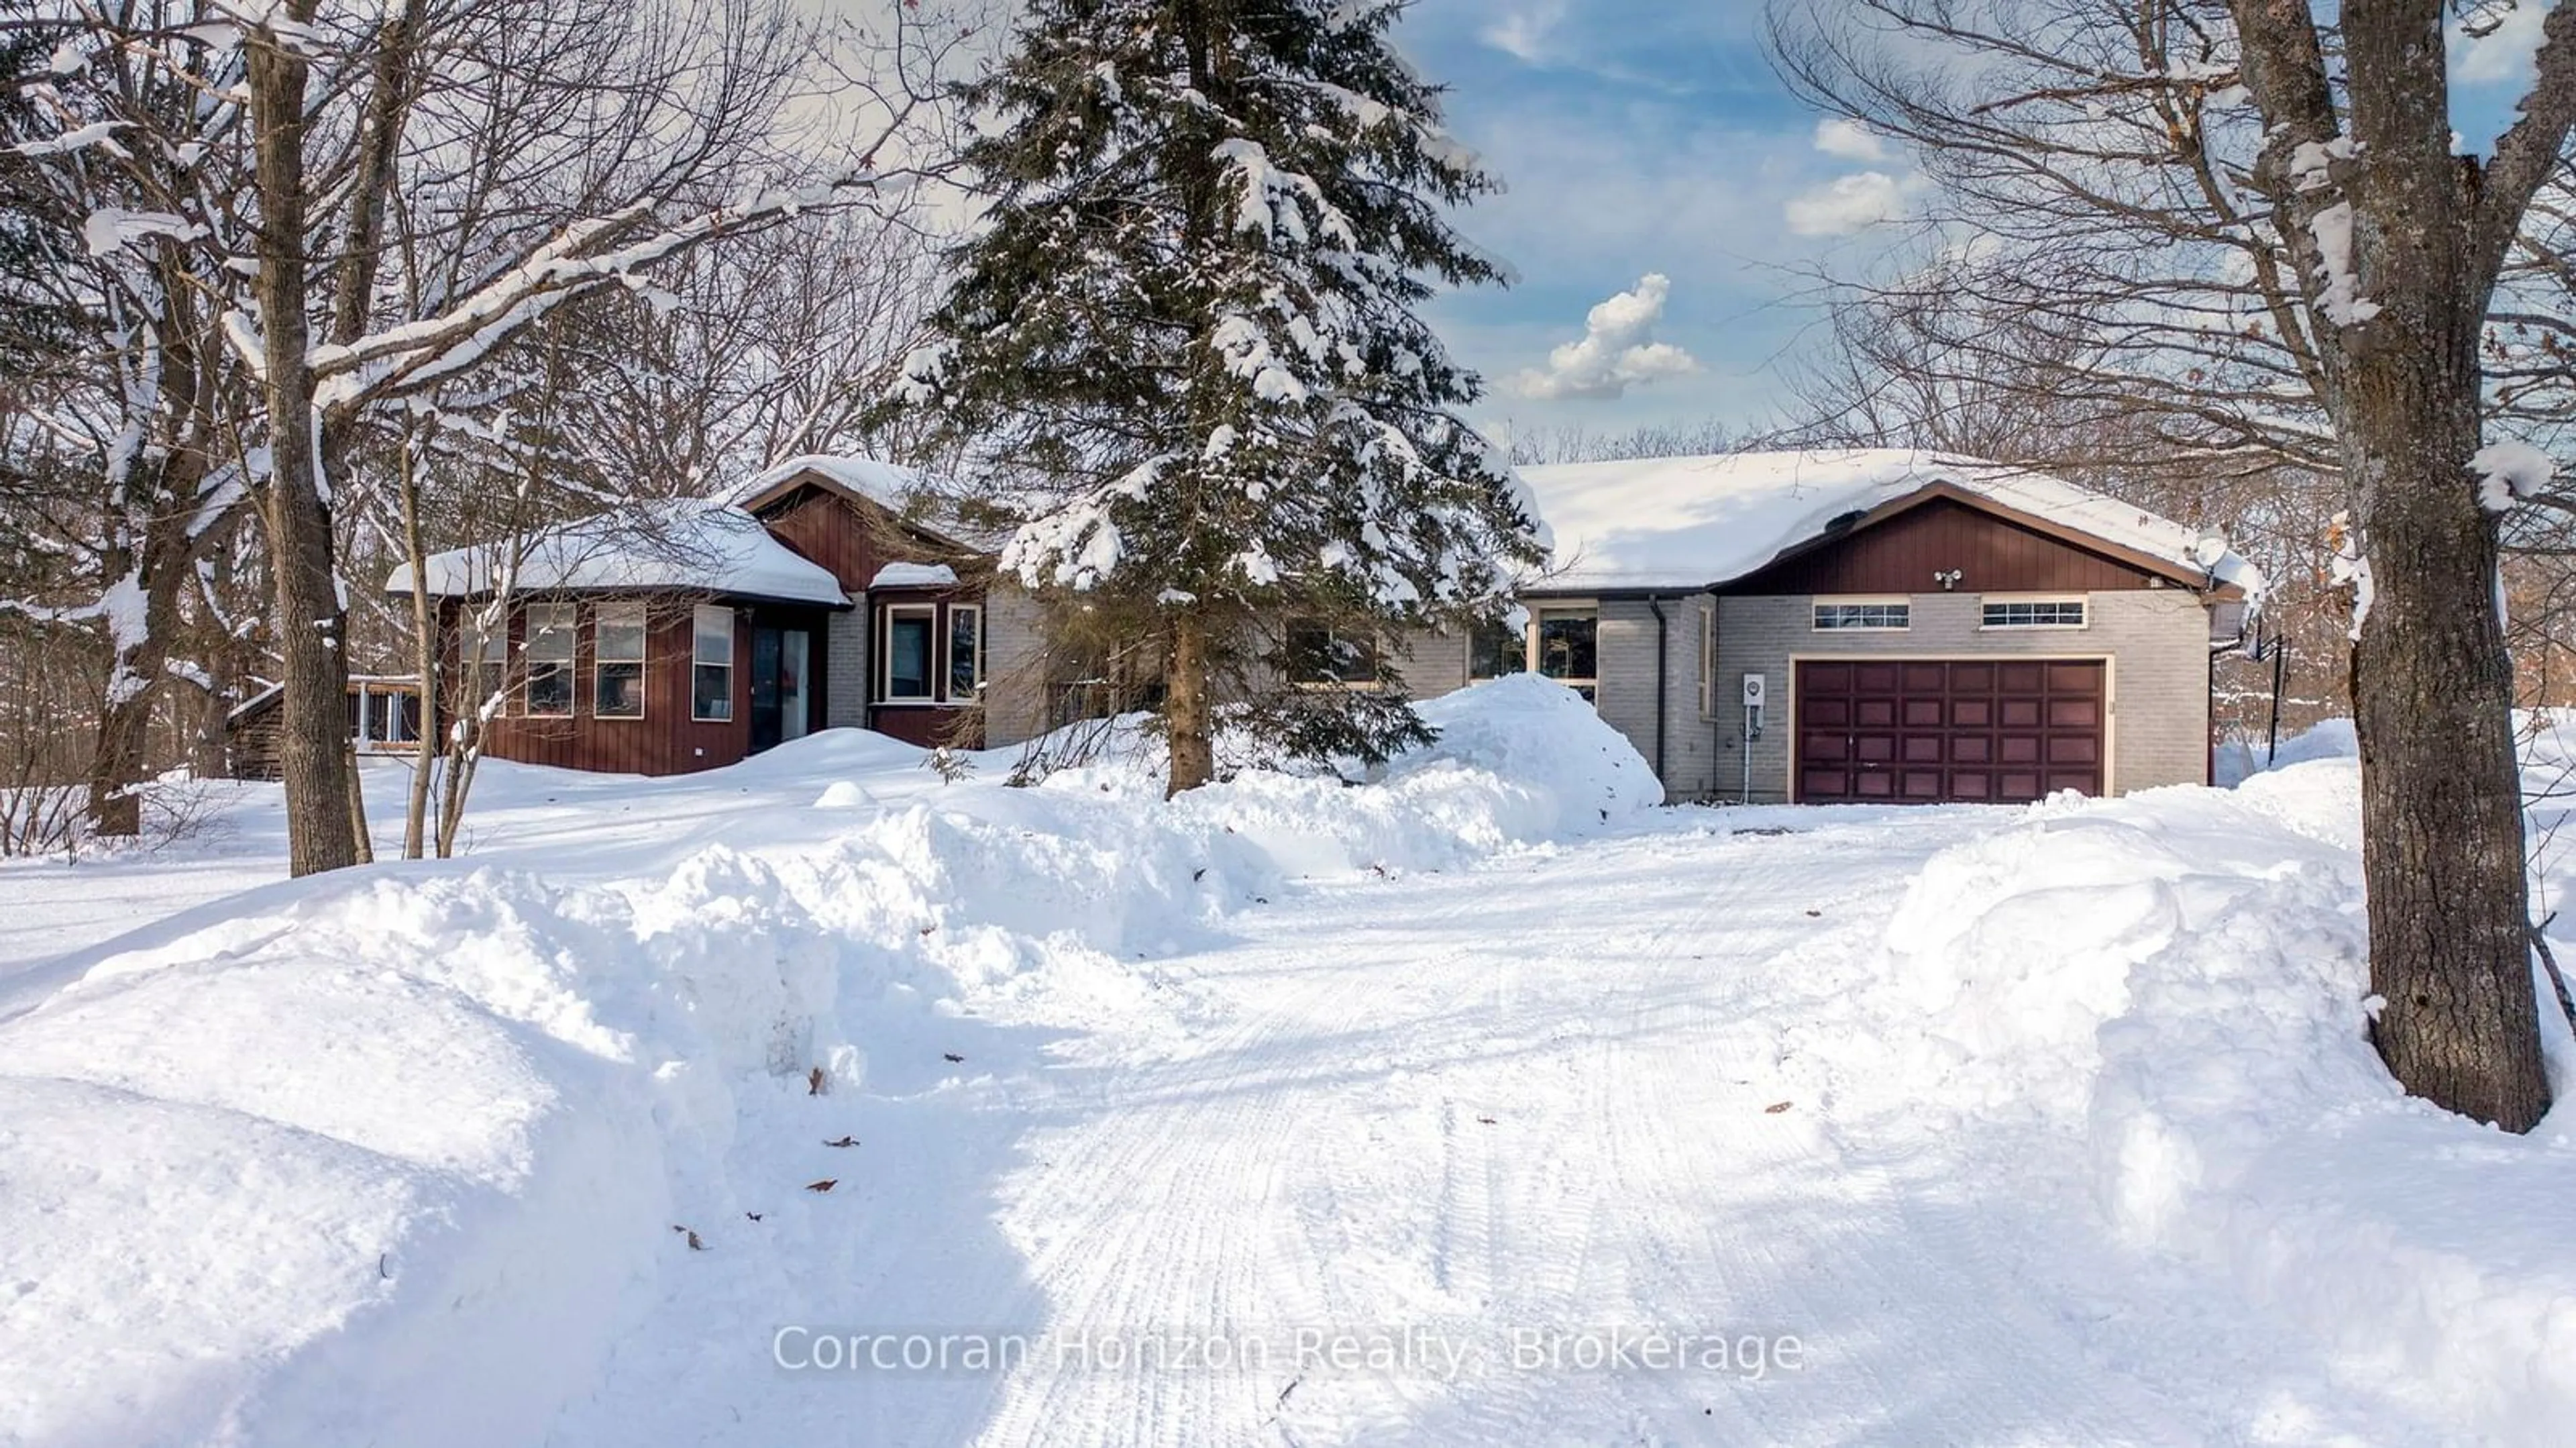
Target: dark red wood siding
<point x="667" y="740"/>
<point x="1936" y="730"/>
<point x="1902" y="555"/>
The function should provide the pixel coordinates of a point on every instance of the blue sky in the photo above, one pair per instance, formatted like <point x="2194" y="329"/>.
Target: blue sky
<point x="1637" y="137"/>
<point x="1650" y="136"/>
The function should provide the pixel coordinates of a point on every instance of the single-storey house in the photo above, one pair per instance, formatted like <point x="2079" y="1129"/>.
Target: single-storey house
<point x="1827" y="626"/>
<point x="687" y="634"/>
<point x="1871" y="625"/>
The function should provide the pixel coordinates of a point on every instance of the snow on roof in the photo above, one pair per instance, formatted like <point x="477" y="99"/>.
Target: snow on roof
<point x="698" y="544"/>
<point x="914" y="575"/>
<point x="1691" y="522"/>
<point x="885" y="484"/>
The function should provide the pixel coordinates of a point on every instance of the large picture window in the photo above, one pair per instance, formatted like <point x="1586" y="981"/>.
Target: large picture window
<point x="907" y="677"/>
<point x="1496" y="650"/>
<point x="711" y="665"/>
<point x="1880" y="614"/>
<point x="1569" y="648"/>
<point x="965" y="651"/>
<point x="617" y="661"/>
<point x="1318" y="655"/>
<point x="549" y="646"/>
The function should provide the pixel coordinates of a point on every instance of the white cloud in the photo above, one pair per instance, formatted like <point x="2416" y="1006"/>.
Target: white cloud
<point x="2505" y="54"/>
<point x="1618" y="349"/>
<point x="1523" y="31"/>
<point x="1846" y="204"/>
<point x="1849" y="139"/>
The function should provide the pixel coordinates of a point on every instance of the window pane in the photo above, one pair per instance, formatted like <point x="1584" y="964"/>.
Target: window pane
<point x="965" y="651"/>
<point x="1864" y="615"/>
<point x="714" y="632"/>
<point x="550" y="632"/>
<point x="550" y="689"/>
<point x="620" y="635"/>
<point x="1495" y="650"/>
<point x="711" y="691"/>
<point x="2036" y="613"/>
<point x="908" y="656"/>
<point x="620" y="692"/>
<point x="1567" y="646"/>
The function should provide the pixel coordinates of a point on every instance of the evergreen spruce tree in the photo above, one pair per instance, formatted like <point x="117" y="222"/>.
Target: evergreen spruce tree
<point x="1190" y="317"/>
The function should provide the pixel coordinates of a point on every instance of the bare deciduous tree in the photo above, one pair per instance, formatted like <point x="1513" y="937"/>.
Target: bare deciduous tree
<point x="2268" y="254"/>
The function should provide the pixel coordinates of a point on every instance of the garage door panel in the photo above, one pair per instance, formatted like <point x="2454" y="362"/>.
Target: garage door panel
<point x="1922" y="730"/>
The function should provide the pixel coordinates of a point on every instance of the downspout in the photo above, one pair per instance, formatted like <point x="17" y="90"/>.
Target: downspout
<point x="1663" y="683"/>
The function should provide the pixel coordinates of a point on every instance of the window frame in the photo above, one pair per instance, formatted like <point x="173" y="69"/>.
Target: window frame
<point x="698" y="637"/>
<point x="930" y="671"/>
<point x="1901" y="608"/>
<point x="1588" y="685"/>
<point x="601" y="616"/>
<point x="565" y="666"/>
<point x="2081" y="603"/>
<point x="975" y="680"/>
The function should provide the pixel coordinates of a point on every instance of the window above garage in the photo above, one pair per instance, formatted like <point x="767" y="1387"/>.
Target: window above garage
<point x="1843" y="615"/>
<point x="2034" y="613"/>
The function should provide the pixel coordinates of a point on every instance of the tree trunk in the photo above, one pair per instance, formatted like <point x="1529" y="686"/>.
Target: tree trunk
<point x="1188" y="720"/>
<point x="116" y="764"/>
<point x="2442" y="846"/>
<point x="313" y="751"/>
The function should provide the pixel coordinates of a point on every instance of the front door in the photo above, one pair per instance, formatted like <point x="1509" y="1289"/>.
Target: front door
<point x="781" y="701"/>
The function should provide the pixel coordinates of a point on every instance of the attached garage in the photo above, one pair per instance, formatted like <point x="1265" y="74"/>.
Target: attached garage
<point x="1922" y="731"/>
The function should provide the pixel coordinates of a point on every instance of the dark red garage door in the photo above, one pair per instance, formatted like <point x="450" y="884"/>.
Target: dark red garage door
<point x="1929" y="730"/>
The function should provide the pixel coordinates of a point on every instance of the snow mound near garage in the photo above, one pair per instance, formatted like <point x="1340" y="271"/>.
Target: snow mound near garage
<point x="394" y="1156"/>
<point x="2169" y="991"/>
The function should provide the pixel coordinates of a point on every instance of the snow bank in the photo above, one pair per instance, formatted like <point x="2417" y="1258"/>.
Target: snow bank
<point x="2242" y="759"/>
<point x="394" y="1156"/>
<point x="2174" y="985"/>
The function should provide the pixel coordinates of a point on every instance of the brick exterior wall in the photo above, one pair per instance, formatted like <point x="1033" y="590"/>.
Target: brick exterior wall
<point x="845" y="667"/>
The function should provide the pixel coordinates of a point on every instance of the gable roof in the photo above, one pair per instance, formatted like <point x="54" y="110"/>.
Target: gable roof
<point x="903" y="492"/>
<point x="1694" y="522"/>
<point x="695" y="544"/>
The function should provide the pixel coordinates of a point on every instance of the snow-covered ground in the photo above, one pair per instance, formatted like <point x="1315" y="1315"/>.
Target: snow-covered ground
<point x="1292" y="1113"/>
